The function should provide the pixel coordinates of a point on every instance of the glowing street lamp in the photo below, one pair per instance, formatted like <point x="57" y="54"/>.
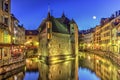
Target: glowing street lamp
<point x="13" y="38"/>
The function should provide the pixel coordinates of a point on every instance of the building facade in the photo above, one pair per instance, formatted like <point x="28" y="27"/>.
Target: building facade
<point x="17" y="38"/>
<point x="8" y="61"/>
<point x="31" y="42"/>
<point x="58" y="38"/>
<point x="97" y="37"/>
<point x="87" y="40"/>
<point x="106" y="35"/>
<point x="5" y="40"/>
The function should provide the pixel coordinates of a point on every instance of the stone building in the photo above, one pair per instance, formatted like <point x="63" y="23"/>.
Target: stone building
<point x="97" y="38"/>
<point x="5" y="29"/>
<point x="31" y="42"/>
<point x="17" y="37"/>
<point x="18" y="31"/>
<point x="86" y="39"/>
<point x="7" y="61"/>
<point x="58" y="38"/>
<point x="31" y="38"/>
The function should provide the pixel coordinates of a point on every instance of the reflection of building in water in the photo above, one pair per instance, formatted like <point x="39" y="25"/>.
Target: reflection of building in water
<point x="58" y="38"/>
<point x="105" y="69"/>
<point x="31" y="65"/>
<point x="60" y="71"/>
<point x="16" y="74"/>
<point x="101" y="66"/>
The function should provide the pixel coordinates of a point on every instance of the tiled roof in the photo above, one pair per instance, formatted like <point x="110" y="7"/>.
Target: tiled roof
<point x="59" y="25"/>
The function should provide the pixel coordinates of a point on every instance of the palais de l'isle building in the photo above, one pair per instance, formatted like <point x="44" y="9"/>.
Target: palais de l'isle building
<point x="58" y="38"/>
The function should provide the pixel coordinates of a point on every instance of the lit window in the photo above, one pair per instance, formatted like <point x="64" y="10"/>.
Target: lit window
<point x="48" y="25"/>
<point x="49" y="36"/>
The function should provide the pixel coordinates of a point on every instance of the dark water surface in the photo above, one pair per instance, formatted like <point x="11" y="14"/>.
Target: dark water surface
<point x="84" y="67"/>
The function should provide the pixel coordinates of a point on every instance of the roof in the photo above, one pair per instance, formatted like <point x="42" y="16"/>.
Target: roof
<point x="59" y="25"/>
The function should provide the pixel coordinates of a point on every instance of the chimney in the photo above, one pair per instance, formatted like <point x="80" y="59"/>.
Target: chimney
<point x="119" y="12"/>
<point x="112" y="16"/>
<point x="116" y="14"/>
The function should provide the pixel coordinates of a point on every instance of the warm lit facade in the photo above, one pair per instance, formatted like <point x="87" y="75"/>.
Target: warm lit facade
<point x="31" y="38"/>
<point x="109" y="34"/>
<point x="97" y="37"/>
<point x="87" y="39"/>
<point x="17" y="37"/>
<point x="106" y="35"/>
<point x="5" y="29"/>
<point x="8" y="61"/>
<point x="58" y="38"/>
<point x="115" y="38"/>
<point x="18" y="31"/>
<point x="118" y="37"/>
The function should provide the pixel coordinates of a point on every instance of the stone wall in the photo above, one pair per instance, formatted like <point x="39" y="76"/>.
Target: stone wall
<point x="60" y="44"/>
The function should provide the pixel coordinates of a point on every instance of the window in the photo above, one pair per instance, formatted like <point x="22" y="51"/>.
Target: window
<point x="5" y="5"/>
<point x="6" y="20"/>
<point x="30" y="37"/>
<point x="15" y="23"/>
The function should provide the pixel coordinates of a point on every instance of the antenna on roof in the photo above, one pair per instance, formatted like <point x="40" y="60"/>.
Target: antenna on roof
<point x="48" y="7"/>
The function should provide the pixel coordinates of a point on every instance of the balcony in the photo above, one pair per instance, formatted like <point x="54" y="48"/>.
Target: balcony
<point x="3" y="25"/>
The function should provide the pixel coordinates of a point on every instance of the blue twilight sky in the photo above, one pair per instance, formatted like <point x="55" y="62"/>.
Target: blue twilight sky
<point x="32" y="12"/>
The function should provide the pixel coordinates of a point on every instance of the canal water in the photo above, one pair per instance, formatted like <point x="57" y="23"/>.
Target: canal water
<point x="86" y="66"/>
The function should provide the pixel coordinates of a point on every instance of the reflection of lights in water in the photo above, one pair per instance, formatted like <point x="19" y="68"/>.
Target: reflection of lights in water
<point x="97" y="61"/>
<point x="28" y="61"/>
<point x="89" y="57"/>
<point x="15" y="77"/>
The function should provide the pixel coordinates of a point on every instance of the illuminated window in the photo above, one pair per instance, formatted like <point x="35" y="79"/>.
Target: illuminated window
<point x="49" y="36"/>
<point x="48" y="25"/>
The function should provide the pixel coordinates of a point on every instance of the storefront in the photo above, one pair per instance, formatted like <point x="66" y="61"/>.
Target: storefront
<point x="17" y="51"/>
<point x="5" y="51"/>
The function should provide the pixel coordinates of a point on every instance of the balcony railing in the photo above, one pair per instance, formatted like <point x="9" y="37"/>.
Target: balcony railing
<point x="3" y="25"/>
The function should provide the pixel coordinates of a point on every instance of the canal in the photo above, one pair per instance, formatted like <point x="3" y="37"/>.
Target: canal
<point x="86" y="66"/>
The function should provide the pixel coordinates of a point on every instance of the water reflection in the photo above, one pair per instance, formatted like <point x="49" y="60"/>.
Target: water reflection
<point x="61" y="71"/>
<point x="100" y="66"/>
<point x="31" y="70"/>
<point x="91" y="67"/>
<point x="17" y="74"/>
<point x="86" y="74"/>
